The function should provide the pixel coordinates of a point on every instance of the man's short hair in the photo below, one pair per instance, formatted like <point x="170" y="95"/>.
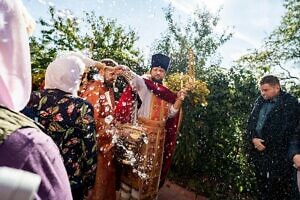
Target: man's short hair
<point x="269" y="79"/>
<point x="109" y="62"/>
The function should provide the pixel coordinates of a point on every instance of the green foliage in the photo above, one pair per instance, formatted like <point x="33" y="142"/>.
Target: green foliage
<point x="99" y="37"/>
<point x="197" y="34"/>
<point x="210" y="155"/>
<point x="286" y="38"/>
<point x="218" y="156"/>
<point x="110" y="40"/>
<point x="57" y="34"/>
<point x="196" y="93"/>
<point x="281" y="49"/>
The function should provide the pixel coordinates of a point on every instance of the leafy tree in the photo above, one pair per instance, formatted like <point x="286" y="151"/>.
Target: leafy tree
<point x="211" y="145"/>
<point x="285" y="40"/>
<point x="98" y="37"/>
<point x="224" y="119"/>
<point x="198" y="34"/>
<point x="210" y="155"/>
<point x="58" y="34"/>
<point x="281" y="49"/>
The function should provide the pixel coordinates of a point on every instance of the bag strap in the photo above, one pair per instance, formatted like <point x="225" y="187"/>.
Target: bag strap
<point x="10" y="121"/>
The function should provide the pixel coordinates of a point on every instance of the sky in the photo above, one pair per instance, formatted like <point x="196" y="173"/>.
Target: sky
<point x="251" y="21"/>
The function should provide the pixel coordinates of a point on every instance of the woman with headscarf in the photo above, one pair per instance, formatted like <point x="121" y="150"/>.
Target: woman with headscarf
<point x="68" y="119"/>
<point x="22" y="144"/>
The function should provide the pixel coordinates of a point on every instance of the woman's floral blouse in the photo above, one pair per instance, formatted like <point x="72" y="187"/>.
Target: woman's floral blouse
<point x="69" y="121"/>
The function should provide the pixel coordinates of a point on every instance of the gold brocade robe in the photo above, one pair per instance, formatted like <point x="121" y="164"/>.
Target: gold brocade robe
<point x="152" y="152"/>
<point x="103" y="102"/>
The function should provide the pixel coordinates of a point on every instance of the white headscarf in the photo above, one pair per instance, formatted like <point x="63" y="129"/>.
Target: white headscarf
<point x="15" y="71"/>
<point x="65" y="73"/>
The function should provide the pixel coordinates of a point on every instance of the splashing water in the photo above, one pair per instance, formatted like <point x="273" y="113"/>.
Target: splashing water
<point x="107" y="108"/>
<point x="115" y="138"/>
<point x="108" y="119"/>
<point x="66" y="13"/>
<point x="127" y="153"/>
<point x="42" y="1"/>
<point x="142" y="175"/>
<point x="145" y="140"/>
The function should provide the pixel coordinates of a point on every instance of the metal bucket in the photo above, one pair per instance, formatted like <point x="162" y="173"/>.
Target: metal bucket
<point x="129" y="144"/>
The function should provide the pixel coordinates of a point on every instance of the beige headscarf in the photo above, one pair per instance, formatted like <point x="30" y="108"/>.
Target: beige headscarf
<point x="15" y="71"/>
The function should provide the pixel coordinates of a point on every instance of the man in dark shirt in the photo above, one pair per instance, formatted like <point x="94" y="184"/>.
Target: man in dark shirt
<point x="270" y="132"/>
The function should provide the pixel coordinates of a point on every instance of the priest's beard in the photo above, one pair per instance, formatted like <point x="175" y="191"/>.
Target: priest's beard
<point x="157" y="80"/>
<point x="109" y="84"/>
